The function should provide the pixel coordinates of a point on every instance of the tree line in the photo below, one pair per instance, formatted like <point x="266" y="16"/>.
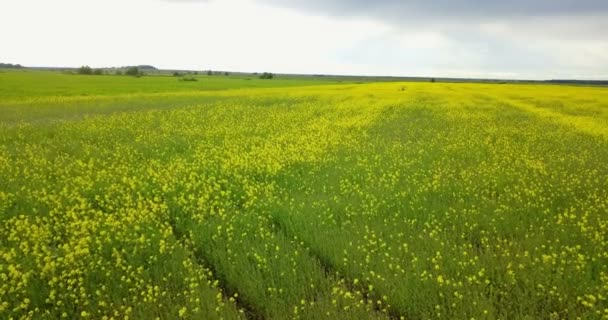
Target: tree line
<point x="10" y="66"/>
<point x="130" y="71"/>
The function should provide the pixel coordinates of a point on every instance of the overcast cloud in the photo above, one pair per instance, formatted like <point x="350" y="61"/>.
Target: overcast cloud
<point x="525" y="38"/>
<point x="451" y="9"/>
<point x="536" y="39"/>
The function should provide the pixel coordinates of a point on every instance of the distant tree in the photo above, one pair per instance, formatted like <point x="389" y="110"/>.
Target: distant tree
<point x="98" y="72"/>
<point x="195" y="72"/>
<point x="118" y="72"/>
<point x="433" y="80"/>
<point x="146" y="67"/>
<point x="209" y="73"/>
<point x="177" y="74"/>
<point x="141" y="67"/>
<point x="134" y="71"/>
<point x="10" y="66"/>
<point x="226" y="73"/>
<point x="266" y="75"/>
<point x="85" y="70"/>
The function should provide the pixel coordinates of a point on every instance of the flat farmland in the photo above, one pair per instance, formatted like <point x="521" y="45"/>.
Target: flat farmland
<point x="226" y="198"/>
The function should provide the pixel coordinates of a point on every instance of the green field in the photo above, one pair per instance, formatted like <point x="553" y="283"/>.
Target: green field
<point x="228" y="198"/>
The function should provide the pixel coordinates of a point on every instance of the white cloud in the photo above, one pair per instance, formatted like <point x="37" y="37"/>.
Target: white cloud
<point x="252" y="35"/>
<point x="231" y="35"/>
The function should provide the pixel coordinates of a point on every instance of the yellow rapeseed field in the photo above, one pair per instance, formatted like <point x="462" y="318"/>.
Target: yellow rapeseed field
<point x="351" y="201"/>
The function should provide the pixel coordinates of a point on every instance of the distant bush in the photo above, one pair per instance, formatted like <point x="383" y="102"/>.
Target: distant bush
<point x="118" y="72"/>
<point x="226" y="73"/>
<point x="146" y="67"/>
<point x="134" y="71"/>
<point x="85" y="70"/>
<point x="98" y="72"/>
<point x="188" y="79"/>
<point x="433" y="80"/>
<point x="266" y="75"/>
<point x="143" y="67"/>
<point x="177" y="74"/>
<point x="10" y="66"/>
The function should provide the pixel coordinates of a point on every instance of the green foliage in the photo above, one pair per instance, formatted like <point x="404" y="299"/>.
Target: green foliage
<point x="146" y="67"/>
<point x="266" y="75"/>
<point x="134" y="71"/>
<point x="85" y="70"/>
<point x="10" y="66"/>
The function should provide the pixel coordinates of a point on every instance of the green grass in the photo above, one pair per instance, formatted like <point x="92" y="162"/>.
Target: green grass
<point x="27" y="84"/>
<point x="347" y="201"/>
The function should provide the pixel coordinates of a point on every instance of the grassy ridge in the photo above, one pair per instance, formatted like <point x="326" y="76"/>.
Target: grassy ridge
<point x="335" y="201"/>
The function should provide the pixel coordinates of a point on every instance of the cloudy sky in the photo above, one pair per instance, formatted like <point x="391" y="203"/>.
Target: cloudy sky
<point x="533" y="39"/>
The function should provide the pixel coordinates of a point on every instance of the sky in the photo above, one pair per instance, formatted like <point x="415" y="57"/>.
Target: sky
<point x="515" y="39"/>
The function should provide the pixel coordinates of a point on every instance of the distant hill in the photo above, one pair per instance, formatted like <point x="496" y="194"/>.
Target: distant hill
<point x="142" y="67"/>
<point x="10" y="65"/>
